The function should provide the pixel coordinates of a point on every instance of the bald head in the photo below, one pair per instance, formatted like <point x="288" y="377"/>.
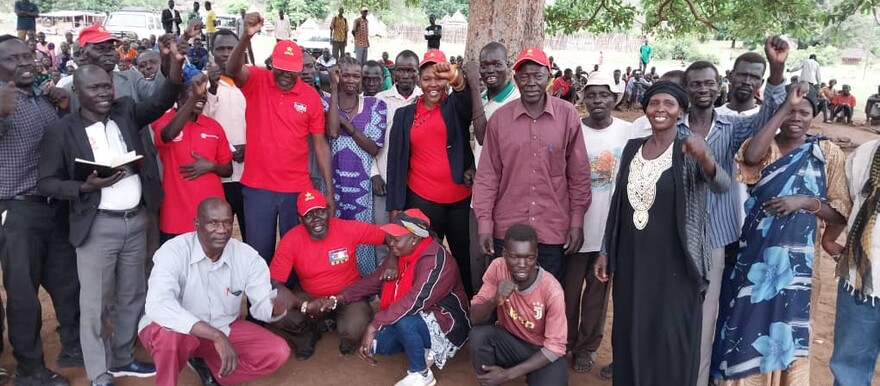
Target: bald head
<point x="492" y="47"/>
<point x="87" y="74"/>
<point x="211" y="204"/>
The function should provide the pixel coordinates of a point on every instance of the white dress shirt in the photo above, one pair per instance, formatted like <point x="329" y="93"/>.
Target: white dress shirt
<point x="186" y="287"/>
<point x="108" y="145"/>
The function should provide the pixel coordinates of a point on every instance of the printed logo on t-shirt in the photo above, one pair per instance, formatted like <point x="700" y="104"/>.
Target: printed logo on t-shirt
<point x="539" y="310"/>
<point x="602" y="169"/>
<point x="206" y="136"/>
<point x="179" y="137"/>
<point x="301" y="107"/>
<point x="519" y="318"/>
<point x="338" y="256"/>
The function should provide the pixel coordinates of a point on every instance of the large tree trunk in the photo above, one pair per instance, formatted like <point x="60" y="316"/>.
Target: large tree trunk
<point x="517" y="24"/>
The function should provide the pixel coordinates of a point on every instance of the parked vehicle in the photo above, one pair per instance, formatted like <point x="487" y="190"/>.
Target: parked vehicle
<point x="134" y="24"/>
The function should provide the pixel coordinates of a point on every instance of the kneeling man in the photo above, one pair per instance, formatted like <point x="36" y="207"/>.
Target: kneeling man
<point x="532" y="331"/>
<point x="194" y="299"/>
<point x="316" y="259"/>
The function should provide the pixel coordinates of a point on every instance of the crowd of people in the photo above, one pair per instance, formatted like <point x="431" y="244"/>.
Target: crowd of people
<point x="409" y="217"/>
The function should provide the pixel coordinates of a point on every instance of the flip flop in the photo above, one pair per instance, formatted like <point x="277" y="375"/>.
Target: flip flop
<point x="582" y="363"/>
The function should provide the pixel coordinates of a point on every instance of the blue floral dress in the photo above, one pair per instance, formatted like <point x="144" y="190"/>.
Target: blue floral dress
<point x="764" y="317"/>
<point x="351" y="171"/>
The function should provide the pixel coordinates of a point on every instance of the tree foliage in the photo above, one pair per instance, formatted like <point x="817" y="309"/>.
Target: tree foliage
<point x="235" y="7"/>
<point x="97" y="5"/>
<point x="442" y="8"/>
<point x="603" y="16"/>
<point x="300" y="10"/>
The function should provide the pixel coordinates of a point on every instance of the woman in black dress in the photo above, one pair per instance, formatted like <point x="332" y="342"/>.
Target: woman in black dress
<point x="655" y="247"/>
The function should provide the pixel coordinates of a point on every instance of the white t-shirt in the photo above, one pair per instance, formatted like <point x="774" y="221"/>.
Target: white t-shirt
<point x="604" y="147"/>
<point x="640" y="128"/>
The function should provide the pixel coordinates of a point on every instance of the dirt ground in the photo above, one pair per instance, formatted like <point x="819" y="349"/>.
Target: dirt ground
<point x="328" y="368"/>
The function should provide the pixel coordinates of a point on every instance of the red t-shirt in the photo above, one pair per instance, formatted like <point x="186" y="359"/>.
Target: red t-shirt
<point x="324" y="267"/>
<point x="277" y="156"/>
<point x="204" y="137"/>
<point x="841" y="99"/>
<point x="561" y="83"/>
<point x="430" y="175"/>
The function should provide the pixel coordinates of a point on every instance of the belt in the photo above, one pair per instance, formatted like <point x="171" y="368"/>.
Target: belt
<point x="33" y="198"/>
<point x="128" y="213"/>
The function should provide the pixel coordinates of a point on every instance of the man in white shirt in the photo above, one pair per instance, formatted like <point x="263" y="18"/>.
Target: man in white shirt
<point x="404" y="92"/>
<point x="499" y="91"/>
<point x="194" y="301"/>
<point x="282" y="27"/>
<point x="746" y="79"/>
<point x="809" y="69"/>
<point x="605" y="137"/>
<point x="325" y="61"/>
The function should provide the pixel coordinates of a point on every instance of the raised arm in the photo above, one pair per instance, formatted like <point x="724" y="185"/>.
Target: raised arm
<point x="148" y="111"/>
<point x="235" y="66"/>
<point x="758" y="147"/>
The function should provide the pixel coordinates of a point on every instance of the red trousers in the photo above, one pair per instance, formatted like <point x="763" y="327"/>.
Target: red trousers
<point x="260" y="352"/>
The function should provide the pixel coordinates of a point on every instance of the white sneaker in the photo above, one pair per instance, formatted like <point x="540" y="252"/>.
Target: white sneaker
<point x="417" y="379"/>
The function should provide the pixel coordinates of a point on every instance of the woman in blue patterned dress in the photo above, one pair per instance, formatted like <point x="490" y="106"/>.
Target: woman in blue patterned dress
<point x="763" y="331"/>
<point x="356" y="127"/>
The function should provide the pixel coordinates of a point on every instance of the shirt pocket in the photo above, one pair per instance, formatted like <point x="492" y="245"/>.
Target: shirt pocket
<point x="556" y="160"/>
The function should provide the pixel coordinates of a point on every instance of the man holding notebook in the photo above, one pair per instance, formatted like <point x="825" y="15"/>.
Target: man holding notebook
<point x="108" y="215"/>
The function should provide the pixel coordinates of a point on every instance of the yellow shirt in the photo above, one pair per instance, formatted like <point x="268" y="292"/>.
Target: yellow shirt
<point x="209" y="21"/>
<point x="340" y="29"/>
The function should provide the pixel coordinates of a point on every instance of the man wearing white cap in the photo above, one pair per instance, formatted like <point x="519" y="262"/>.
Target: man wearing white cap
<point x="605" y="137"/>
<point x="281" y="113"/>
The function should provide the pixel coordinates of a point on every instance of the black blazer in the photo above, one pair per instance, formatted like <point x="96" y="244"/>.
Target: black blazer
<point x="456" y="112"/>
<point x="65" y="140"/>
<point x="169" y="19"/>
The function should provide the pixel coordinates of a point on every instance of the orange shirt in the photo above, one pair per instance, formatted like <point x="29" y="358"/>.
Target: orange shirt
<point x="841" y="99"/>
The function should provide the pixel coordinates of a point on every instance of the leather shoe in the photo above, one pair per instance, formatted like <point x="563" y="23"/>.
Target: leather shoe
<point x="201" y="368"/>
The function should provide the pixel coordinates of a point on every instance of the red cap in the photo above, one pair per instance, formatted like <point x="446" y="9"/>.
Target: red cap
<point x="287" y="56"/>
<point x="93" y="34"/>
<point x="308" y="200"/>
<point x="409" y="221"/>
<point x="532" y="55"/>
<point x="433" y="56"/>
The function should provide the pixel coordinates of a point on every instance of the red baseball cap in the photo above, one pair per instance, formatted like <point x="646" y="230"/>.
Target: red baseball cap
<point x="533" y="54"/>
<point x="433" y="56"/>
<point x="409" y="221"/>
<point x="287" y="56"/>
<point x="308" y="200"/>
<point x="94" y="34"/>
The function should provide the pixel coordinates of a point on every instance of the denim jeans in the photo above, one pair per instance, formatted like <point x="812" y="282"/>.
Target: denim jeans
<point x="410" y="335"/>
<point x="856" y="339"/>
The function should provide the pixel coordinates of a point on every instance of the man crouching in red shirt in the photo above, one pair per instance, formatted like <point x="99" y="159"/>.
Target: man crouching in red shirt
<point x="195" y="154"/>
<point x="316" y="259"/>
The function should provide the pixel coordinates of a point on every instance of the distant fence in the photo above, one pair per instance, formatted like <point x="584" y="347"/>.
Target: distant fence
<point x="575" y="42"/>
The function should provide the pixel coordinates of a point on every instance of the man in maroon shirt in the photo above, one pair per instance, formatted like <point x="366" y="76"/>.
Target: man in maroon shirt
<point x="534" y="169"/>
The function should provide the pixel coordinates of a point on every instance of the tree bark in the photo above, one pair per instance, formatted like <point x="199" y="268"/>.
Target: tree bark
<point x="518" y="24"/>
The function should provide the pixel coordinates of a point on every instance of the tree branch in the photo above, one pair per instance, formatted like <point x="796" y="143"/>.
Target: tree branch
<point x="697" y="16"/>
<point x="585" y="22"/>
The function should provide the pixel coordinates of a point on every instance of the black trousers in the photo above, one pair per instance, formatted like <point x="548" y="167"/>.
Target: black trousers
<point x="236" y="201"/>
<point x="450" y="221"/>
<point x="491" y="345"/>
<point x="846" y="110"/>
<point x="35" y="251"/>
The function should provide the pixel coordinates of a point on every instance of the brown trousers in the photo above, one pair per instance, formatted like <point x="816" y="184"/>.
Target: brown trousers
<point x="301" y="332"/>
<point x="584" y="307"/>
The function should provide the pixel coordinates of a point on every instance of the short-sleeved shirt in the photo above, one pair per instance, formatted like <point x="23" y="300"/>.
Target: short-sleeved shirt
<point x="645" y="52"/>
<point x="209" y="26"/>
<point x="324" y="267"/>
<point x="361" y="33"/>
<point x="278" y="122"/>
<point x="535" y="315"/>
<point x="340" y="29"/>
<point x="204" y="137"/>
<point x="27" y="23"/>
<point x="841" y="99"/>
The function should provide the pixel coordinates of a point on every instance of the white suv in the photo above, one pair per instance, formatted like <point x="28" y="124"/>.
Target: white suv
<point x="134" y="24"/>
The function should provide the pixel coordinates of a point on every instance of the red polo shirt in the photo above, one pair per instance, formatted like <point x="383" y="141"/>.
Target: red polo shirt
<point x="324" y="267"/>
<point x="278" y="122"/>
<point x="430" y="175"/>
<point x="204" y="137"/>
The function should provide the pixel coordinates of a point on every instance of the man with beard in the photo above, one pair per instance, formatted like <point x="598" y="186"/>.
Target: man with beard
<point x="301" y="268"/>
<point x="196" y="154"/>
<point x="34" y="246"/>
<point x="372" y="76"/>
<point x="500" y="90"/>
<point x="404" y="92"/>
<point x="282" y="112"/>
<point x="745" y="80"/>
<point x="108" y="216"/>
<point x="724" y="135"/>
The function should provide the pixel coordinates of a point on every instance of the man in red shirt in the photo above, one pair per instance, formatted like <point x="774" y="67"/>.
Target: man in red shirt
<point x="317" y="259"/>
<point x="281" y="113"/>
<point x="562" y="86"/>
<point x="530" y="336"/>
<point x="195" y="154"/>
<point x="844" y="103"/>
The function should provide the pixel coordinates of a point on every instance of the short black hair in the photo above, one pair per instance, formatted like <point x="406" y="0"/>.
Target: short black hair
<point x="373" y="63"/>
<point x="222" y="32"/>
<point x="675" y="76"/>
<point x="6" y="37"/>
<point x="696" y="66"/>
<point x="407" y="54"/>
<point x="750" y="57"/>
<point x="492" y="46"/>
<point x="813" y="56"/>
<point x="521" y="232"/>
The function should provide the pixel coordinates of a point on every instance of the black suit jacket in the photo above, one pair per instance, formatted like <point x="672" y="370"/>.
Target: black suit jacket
<point x="65" y="140"/>
<point x="169" y="19"/>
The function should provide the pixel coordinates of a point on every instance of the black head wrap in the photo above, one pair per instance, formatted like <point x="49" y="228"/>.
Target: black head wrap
<point x="812" y="96"/>
<point x="666" y="87"/>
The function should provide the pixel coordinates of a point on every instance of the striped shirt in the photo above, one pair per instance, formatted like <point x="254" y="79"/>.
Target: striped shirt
<point x="725" y="137"/>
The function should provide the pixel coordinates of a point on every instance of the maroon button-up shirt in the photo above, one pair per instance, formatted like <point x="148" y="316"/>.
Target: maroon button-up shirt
<point x="533" y="170"/>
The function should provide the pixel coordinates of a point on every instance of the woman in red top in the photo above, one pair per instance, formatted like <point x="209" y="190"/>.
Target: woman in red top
<point x="430" y="163"/>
